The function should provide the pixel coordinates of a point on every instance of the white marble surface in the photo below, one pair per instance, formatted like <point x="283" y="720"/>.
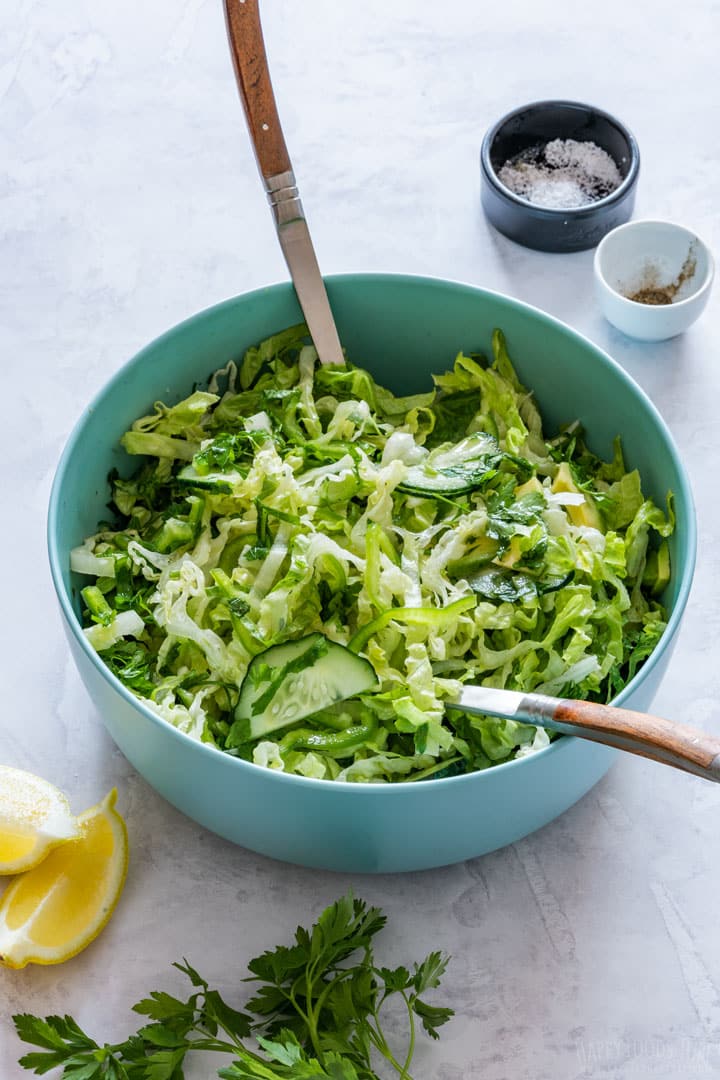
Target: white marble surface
<point x="128" y="200"/>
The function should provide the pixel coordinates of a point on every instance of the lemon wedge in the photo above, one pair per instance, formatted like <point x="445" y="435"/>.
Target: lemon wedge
<point x="51" y="912"/>
<point x="34" y="818"/>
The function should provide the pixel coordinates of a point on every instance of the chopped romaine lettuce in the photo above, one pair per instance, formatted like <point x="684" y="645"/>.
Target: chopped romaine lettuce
<point x="442" y="537"/>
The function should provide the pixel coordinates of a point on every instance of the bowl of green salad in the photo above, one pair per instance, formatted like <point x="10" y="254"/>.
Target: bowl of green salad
<point x="478" y="495"/>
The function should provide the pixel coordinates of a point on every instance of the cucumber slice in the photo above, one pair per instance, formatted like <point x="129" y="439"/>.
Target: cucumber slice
<point x="555" y="582"/>
<point x="217" y="482"/>
<point x="454" y="469"/>
<point x="288" y="682"/>
<point x="657" y="569"/>
<point x="482" y="552"/>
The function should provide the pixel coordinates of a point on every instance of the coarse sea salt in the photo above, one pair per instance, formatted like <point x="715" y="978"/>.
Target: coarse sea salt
<point x="561" y="174"/>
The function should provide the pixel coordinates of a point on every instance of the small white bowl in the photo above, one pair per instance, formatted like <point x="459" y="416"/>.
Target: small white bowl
<point x="652" y="255"/>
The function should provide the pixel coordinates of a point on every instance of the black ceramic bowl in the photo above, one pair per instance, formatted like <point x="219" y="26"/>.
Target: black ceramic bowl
<point x="545" y="228"/>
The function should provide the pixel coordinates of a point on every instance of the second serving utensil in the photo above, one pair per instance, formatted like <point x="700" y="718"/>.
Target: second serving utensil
<point x="301" y="678"/>
<point x="665" y="741"/>
<point x="256" y="92"/>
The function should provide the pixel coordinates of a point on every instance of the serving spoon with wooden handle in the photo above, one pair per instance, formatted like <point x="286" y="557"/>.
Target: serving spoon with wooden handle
<point x="289" y="682"/>
<point x="665" y="741"/>
<point x="256" y="93"/>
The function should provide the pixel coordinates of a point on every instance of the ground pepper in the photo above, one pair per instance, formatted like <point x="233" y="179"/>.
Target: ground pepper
<point x="652" y="293"/>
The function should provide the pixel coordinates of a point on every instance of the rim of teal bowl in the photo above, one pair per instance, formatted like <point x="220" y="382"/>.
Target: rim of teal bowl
<point x="392" y="790"/>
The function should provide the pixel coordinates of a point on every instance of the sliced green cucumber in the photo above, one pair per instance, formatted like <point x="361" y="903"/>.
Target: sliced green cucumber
<point x="455" y="469"/>
<point x="288" y="682"/>
<point x="482" y="552"/>
<point x="657" y="569"/>
<point x="553" y="582"/>
<point x="218" y="482"/>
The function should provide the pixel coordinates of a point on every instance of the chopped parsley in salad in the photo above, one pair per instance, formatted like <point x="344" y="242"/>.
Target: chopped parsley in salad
<point x="292" y="510"/>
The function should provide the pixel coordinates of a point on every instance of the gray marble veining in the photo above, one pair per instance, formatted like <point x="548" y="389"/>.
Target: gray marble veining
<point x="129" y="199"/>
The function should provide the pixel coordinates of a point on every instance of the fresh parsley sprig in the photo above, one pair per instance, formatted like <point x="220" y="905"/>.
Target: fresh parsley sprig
<point x="316" y="1013"/>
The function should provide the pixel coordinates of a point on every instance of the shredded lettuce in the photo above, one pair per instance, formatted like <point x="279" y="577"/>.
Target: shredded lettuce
<point x="442" y="536"/>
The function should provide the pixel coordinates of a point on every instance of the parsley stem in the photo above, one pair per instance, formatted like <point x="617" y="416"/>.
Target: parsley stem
<point x="375" y="1034"/>
<point x="306" y="1016"/>
<point x="236" y="1044"/>
<point x="411" y="1042"/>
<point x="312" y="1019"/>
<point x="214" y="1044"/>
<point x="329" y="986"/>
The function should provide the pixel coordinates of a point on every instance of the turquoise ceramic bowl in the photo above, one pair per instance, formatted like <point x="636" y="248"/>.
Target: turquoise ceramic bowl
<point x="402" y="329"/>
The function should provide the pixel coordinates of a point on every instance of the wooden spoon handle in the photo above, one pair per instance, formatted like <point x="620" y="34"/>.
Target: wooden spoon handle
<point x="674" y="744"/>
<point x="253" y="78"/>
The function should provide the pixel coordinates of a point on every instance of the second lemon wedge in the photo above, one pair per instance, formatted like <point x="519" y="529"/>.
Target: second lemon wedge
<point x="51" y="912"/>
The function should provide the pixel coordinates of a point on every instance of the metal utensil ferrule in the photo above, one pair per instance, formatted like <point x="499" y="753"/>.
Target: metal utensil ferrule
<point x="536" y="708"/>
<point x="283" y="197"/>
